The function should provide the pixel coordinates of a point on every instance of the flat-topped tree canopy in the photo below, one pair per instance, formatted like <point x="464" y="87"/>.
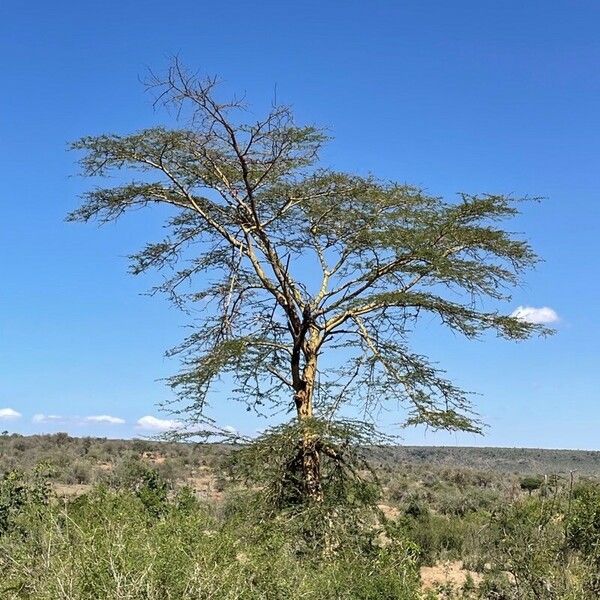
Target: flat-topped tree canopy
<point x="295" y="263"/>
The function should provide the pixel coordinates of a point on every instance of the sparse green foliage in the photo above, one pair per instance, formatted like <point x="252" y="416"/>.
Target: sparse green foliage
<point x="346" y="515"/>
<point x="273" y="463"/>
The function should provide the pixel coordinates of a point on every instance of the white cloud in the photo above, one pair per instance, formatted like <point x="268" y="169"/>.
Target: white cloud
<point x="42" y="418"/>
<point x="9" y="414"/>
<point x="230" y="429"/>
<point x="543" y="315"/>
<point x="155" y="424"/>
<point x="104" y="419"/>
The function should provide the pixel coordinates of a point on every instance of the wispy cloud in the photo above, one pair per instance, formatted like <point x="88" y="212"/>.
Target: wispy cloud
<point x="104" y="419"/>
<point x="9" y="414"/>
<point x="42" y="418"/>
<point x="155" y="424"/>
<point x="76" y="420"/>
<point x="544" y="315"/>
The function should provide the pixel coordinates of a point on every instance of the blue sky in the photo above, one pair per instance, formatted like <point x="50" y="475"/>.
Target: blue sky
<point x="452" y="96"/>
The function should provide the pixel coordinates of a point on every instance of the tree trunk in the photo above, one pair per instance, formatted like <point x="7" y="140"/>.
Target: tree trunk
<point x="311" y="469"/>
<point x="303" y="397"/>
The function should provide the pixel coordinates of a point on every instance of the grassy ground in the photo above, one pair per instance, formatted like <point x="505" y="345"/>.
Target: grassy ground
<point x="136" y="519"/>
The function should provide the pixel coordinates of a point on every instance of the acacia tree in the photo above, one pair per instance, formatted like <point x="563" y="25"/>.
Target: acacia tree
<point x="308" y="278"/>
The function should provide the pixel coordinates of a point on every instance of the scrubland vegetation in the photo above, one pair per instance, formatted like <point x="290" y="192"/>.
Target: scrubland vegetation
<point x="91" y="518"/>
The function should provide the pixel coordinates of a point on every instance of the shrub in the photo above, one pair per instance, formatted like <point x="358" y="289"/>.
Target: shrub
<point x="528" y="542"/>
<point x="103" y="545"/>
<point x="583" y="531"/>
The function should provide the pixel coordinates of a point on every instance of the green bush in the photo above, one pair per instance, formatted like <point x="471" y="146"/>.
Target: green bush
<point x="528" y="542"/>
<point x="19" y="492"/>
<point x="583" y="532"/>
<point x="107" y="544"/>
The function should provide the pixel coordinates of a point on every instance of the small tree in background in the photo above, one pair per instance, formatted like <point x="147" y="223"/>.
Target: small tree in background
<point x="532" y="483"/>
<point x="308" y="279"/>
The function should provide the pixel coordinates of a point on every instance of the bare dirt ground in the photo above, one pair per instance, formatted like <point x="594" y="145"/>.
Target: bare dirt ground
<point x="447" y="573"/>
<point x="391" y="512"/>
<point x="205" y="484"/>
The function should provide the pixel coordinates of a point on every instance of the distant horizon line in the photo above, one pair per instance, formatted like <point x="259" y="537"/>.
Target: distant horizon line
<point x="228" y="443"/>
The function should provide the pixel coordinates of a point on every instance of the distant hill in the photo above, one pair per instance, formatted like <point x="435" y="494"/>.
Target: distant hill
<point x="82" y="454"/>
<point x="499" y="460"/>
